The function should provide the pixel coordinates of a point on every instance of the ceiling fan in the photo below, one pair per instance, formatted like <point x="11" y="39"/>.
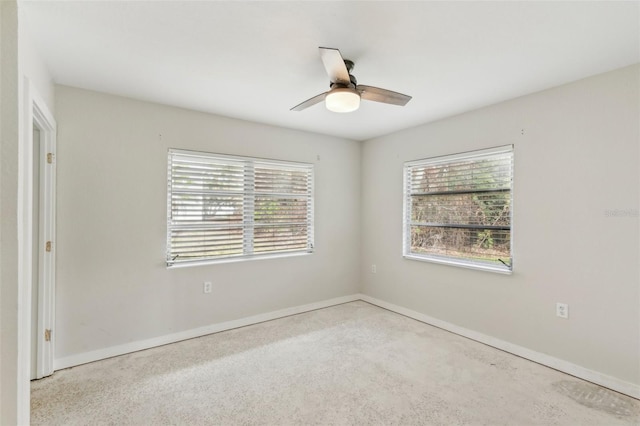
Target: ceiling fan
<point x="345" y="93"/>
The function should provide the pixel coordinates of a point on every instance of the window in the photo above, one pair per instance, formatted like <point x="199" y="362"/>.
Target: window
<point x="457" y="209"/>
<point x="223" y="207"/>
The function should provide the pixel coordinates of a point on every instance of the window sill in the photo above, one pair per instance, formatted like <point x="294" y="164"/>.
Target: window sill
<point x="450" y="262"/>
<point x="236" y="259"/>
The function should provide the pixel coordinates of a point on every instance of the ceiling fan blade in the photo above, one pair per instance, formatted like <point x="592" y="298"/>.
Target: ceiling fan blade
<point x="310" y="102"/>
<point x="334" y="64"/>
<point x="377" y="94"/>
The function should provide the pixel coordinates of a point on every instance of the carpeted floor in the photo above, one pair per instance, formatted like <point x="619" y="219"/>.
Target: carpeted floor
<point x="348" y="364"/>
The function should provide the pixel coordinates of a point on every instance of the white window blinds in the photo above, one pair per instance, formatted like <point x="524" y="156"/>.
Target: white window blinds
<point x="458" y="209"/>
<point x="221" y="207"/>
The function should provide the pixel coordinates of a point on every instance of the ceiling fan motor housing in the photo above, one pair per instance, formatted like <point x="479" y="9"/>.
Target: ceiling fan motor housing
<point x="352" y="78"/>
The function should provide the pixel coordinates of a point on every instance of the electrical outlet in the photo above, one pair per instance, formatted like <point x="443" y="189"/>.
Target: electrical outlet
<point x="206" y="287"/>
<point x="374" y="269"/>
<point x="562" y="310"/>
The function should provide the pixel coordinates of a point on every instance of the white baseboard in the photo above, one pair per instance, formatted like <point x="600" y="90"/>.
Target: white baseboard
<point x="610" y="382"/>
<point x="86" y="357"/>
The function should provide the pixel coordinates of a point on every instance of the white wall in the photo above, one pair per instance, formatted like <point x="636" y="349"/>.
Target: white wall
<point x="576" y="156"/>
<point x="112" y="284"/>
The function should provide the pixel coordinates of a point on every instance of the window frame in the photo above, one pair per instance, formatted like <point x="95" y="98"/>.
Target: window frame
<point x="248" y="206"/>
<point x="406" y="221"/>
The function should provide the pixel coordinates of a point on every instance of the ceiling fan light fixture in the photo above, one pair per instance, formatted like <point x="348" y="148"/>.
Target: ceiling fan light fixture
<point x="342" y="100"/>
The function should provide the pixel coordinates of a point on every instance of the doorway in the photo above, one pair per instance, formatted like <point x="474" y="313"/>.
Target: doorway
<point x="36" y="246"/>
<point x="38" y="235"/>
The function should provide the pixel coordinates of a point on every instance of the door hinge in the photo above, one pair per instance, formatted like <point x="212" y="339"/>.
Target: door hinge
<point x="47" y="246"/>
<point x="47" y="335"/>
<point x="49" y="157"/>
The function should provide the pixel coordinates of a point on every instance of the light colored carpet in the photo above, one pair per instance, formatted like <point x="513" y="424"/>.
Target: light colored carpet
<point x="348" y="364"/>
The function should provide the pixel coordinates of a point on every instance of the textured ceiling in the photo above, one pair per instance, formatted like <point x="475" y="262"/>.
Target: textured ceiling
<point x="256" y="60"/>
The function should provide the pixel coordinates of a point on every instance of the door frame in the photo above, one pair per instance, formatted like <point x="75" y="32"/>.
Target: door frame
<point x="35" y="111"/>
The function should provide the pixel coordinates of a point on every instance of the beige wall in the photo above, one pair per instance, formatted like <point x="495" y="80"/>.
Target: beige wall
<point x="576" y="156"/>
<point x="112" y="284"/>
<point x="9" y="134"/>
<point x="31" y="64"/>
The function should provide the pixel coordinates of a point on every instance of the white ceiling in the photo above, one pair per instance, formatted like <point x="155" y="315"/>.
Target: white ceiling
<point x="255" y="60"/>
